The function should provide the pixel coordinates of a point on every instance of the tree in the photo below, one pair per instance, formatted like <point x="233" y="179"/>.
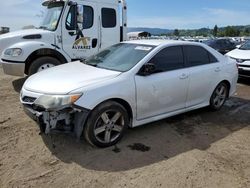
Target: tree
<point x="176" y="32"/>
<point x="215" y="31"/>
<point x="246" y="32"/>
<point x="231" y="32"/>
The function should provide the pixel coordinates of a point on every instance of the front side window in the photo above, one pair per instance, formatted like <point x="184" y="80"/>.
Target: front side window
<point x="52" y="17"/>
<point x="108" y="18"/>
<point x="197" y="55"/>
<point x="84" y="17"/>
<point x="170" y="58"/>
<point x="120" y="57"/>
<point x="70" y="20"/>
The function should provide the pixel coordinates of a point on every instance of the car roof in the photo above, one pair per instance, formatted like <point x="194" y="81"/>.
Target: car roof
<point x="161" y="42"/>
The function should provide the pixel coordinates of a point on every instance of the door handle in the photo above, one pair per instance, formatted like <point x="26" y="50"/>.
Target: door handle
<point x="183" y="76"/>
<point x="94" y="43"/>
<point x="72" y="33"/>
<point x="217" y="69"/>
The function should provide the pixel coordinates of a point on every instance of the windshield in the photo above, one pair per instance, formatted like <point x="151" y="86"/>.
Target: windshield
<point x="245" y="46"/>
<point x="52" y="16"/>
<point x="120" y="57"/>
<point x="209" y="42"/>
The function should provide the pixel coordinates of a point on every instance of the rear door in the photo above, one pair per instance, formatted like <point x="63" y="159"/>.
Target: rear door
<point x="165" y="90"/>
<point x="204" y="72"/>
<point x="83" y="41"/>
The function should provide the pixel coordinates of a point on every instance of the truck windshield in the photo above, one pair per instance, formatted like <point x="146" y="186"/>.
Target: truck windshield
<point x="52" y="16"/>
<point x="120" y="57"/>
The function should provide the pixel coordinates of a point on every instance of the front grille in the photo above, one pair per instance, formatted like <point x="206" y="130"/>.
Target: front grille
<point x="28" y="99"/>
<point x="240" y="65"/>
<point x="244" y="73"/>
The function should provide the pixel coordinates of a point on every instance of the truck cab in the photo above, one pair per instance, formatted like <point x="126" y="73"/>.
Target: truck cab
<point x="70" y="30"/>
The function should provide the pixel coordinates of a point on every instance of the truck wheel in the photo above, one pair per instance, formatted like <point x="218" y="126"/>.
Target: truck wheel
<point x="106" y="124"/>
<point x="43" y="63"/>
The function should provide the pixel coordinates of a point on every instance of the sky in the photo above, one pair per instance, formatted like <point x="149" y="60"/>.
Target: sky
<point x="167" y="14"/>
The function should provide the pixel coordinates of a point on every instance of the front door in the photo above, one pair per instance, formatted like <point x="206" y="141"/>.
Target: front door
<point x="80" y="30"/>
<point x="166" y="90"/>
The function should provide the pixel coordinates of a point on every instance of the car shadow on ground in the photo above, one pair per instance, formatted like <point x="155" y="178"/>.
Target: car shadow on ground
<point x="158" y="141"/>
<point x="18" y="84"/>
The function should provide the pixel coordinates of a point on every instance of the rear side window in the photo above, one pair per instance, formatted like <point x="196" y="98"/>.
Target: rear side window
<point x="170" y="58"/>
<point x="212" y="59"/>
<point x="197" y="55"/>
<point x="108" y="17"/>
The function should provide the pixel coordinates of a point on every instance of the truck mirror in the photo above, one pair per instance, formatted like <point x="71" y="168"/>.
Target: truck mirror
<point x="79" y="15"/>
<point x="71" y="3"/>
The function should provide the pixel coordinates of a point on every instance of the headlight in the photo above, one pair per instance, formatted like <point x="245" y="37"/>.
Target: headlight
<point x="56" y="101"/>
<point x="240" y="60"/>
<point x="14" y="52"/>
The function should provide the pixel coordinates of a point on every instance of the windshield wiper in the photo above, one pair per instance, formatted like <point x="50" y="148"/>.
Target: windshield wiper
<point x="86" y="63"/>
<point x="83" y="60"/>
<point x="93" y="65"/>
<point x="43" y="27"/>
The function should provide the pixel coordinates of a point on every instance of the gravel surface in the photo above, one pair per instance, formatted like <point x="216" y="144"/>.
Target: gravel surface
<point x="196" y="149"/>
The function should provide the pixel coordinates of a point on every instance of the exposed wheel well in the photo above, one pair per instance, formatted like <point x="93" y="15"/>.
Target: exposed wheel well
<point x="41" y="53"/>
<point x="125" y="104"/>
<point x="228" y="85"/>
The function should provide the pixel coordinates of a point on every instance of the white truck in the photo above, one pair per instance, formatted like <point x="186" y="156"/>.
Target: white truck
<point x="71" y="30"/>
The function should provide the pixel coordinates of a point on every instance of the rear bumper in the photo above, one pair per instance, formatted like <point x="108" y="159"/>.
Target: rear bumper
<point x="13" y="68"/>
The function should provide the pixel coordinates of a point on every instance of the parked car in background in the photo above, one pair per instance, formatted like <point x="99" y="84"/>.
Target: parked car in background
<point x="242" y="56"/>
<point x="221" y="45"/>
<point x="128" y="85"/>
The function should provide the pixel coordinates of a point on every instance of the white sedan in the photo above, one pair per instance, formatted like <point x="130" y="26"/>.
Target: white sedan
<point x="242" y="56"/>
<point x="128" y="85"/>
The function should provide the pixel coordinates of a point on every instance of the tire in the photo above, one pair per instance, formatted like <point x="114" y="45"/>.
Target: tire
<point x="101" y="130"/>
<point x="42" y="63"/>
<point x="219" y="96"/>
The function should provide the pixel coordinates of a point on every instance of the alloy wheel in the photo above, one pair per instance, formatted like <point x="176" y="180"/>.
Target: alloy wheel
<point x="109" y="126"/>
<point x="220" y="96"/>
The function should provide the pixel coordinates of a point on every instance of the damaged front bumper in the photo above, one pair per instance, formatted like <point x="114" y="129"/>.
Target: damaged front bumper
<point x="70" y="119"/>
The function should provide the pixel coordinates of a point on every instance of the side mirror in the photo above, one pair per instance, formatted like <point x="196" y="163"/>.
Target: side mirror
<point x="238" y="46"/>
<point x="147" y="69"/>
<point x="79" y="16"/>
<point x="71" y="3"/>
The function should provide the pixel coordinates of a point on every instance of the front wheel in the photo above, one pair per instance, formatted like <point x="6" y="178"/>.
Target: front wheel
<point x="106" y="124"/>
<point x="219" y="96"/>
<point x="43" y="63"/>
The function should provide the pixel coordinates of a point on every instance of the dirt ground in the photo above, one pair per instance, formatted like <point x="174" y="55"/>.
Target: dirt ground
<point x="197" y="149"/>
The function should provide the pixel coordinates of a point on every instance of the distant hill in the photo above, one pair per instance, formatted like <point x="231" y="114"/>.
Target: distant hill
<point x="153" y="31"/>
<point x="222" y="31"/>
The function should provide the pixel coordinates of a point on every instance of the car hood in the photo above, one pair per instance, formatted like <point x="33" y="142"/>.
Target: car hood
<point x="239" y="54"/>
<point x="68" y="77"/>
<point x="23" y="33"/>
